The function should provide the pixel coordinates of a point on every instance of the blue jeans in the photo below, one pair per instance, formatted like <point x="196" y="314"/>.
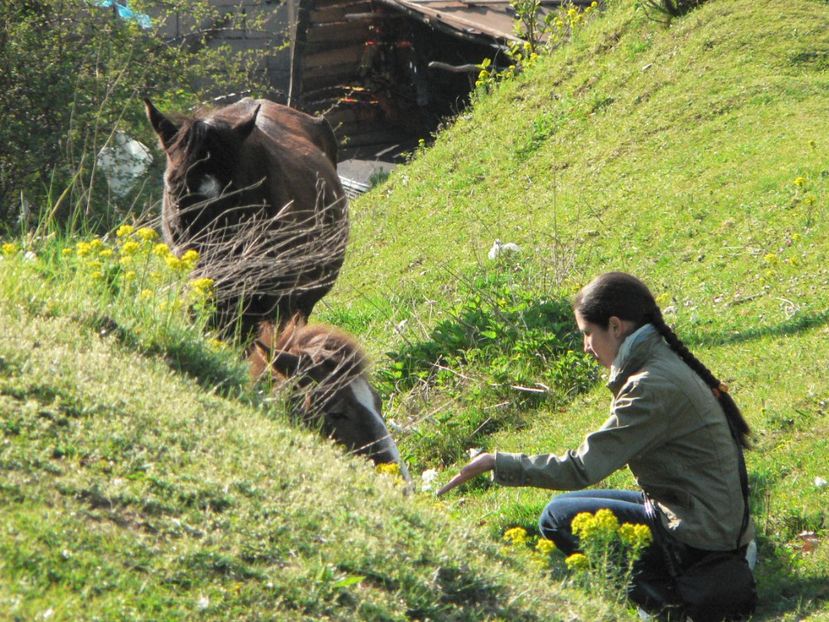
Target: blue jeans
<point x="628" y="506"/>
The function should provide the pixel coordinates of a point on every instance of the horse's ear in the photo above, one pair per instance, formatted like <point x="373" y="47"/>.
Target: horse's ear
<point x="245" y="126"/>
<point x="165" y="128"/>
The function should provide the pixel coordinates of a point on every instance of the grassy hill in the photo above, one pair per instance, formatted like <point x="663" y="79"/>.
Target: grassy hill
<point x="141" y="478"/>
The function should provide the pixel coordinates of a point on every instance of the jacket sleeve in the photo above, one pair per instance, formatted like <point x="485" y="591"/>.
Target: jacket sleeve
<point x="636" y="422"/>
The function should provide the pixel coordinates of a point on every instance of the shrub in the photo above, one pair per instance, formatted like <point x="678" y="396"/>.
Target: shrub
<point x="72" y="76"/>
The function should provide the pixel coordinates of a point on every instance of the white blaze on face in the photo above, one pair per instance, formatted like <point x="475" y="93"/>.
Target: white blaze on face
<point x="210" y="187"/>
<point x="362" y="393"/>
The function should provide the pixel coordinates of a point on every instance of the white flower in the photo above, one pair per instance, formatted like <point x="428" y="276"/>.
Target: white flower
<point x="499" y="247"/>
<point x="47" y="614"/>
<point x="474" y="451"/>
<point x="29" y="256"/>
<point x="820" y="482"/>
<point x="428" y="476"/>
<point x="203" y="603"/>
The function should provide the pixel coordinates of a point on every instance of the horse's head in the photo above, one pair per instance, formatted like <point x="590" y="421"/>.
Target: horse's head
<point x="202" y="157"/>
<point x="331" y="386"/>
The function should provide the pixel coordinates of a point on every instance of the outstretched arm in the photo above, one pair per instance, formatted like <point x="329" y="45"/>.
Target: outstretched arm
<point x="481" y="464"/>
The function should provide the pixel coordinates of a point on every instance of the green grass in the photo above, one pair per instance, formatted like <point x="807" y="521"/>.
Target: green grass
<point x="143" y="478"/>
<point x="130" y="492"/>
<point x="695" y="156"/>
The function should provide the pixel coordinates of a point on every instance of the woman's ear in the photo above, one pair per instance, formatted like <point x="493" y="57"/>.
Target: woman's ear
<point x="614" y="325"/>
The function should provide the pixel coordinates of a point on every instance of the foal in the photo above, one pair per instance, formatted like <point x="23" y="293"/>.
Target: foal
<point x="331" y="388"/>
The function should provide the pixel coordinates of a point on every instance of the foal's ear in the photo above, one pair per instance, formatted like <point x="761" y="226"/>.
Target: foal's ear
<point x="286" y="363"/>
<point x="165" y="128"/>
<point x="244" y="127"/>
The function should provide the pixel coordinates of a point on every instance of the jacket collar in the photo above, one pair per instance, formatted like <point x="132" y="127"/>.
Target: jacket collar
<point x="632" y="354"/>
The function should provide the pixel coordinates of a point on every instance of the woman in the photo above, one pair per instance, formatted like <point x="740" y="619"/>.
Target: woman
<point x="671" y="421"/>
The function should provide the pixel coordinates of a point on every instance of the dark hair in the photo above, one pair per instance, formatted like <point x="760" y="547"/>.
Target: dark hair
<point x="626" y="297"/>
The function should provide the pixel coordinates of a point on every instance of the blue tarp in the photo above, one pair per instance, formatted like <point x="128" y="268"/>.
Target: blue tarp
<point x="124" y="12"/>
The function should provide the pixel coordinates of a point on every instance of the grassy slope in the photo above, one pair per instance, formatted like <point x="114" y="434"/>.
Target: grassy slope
<point x="671" y="153"/>
<point x="128" y="492"/>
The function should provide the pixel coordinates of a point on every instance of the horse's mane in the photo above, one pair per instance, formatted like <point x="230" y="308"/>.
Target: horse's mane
<point x="319" y="342"/>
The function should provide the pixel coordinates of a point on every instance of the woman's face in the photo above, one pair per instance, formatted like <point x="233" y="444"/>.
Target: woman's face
<point x="603" y="343"/>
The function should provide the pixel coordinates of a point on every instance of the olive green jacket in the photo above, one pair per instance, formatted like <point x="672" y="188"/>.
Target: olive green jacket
<point x="668" y="427"/>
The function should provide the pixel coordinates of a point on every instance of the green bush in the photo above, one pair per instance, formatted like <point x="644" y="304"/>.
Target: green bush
<point x="72" y="75"/>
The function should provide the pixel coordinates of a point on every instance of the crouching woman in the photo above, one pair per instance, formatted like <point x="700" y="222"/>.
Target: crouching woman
<point x="676" y="427"/>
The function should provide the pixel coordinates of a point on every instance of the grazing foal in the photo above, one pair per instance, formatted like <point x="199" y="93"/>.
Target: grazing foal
<point x="331" y="388"/>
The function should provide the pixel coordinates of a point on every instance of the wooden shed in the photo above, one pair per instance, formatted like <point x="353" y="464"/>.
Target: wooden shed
<point x="385" y="72"/>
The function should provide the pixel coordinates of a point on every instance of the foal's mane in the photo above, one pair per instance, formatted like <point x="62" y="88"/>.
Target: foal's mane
<point x="321" y="343"/>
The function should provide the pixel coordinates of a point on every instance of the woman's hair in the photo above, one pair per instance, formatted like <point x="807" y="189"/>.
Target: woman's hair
<point x="626" y="297"/>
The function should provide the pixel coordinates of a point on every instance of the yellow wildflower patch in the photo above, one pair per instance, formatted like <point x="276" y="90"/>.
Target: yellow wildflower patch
<point x="147" y="234"/>
<point x="577" y="562"/>
<point x="124" y="231"/>
<point x="130" y="248"/>
<point x="544" y="546"/>
<point x="162" y="250"/>
<point x="390" y="468"/>
<point x="516" y="536"/>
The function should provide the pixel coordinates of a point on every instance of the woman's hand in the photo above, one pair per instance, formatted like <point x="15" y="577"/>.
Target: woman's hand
<point x="481" y="464"/>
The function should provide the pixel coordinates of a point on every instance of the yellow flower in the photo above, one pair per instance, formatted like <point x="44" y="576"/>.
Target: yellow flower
<point x="202" y="287"/>
<point x="124" y="230"/>
<point x="190" y="258"/>
<point x="66" y="252"/>
<point x="97" y="275"/>
<point x="515" y="536"/>
<point x="130" y="275"/>
<point x="9" y="248"/>
<point x="770" y="258"/>
<point x="544" y="546"/>
<point x="130" y="248"/>
<point x="576" y="562"/>
<point x="606" y="521"/>
<point x="162" y="250"/>
<point x="147" y="234"/>
<point x="173" y="262"/>
<point x="216" y="344"/>
<point x="95" y="244"/>
<point x="594" y="4"/>
<point x="390" y="468"/>
<point x="106" y="252"/>
<point x="799" y="181"/>
<point x="644" y="535"/>
<point x="583" y="524"/>
<point x="145" y="294"/>
<point x="83" y="248"/>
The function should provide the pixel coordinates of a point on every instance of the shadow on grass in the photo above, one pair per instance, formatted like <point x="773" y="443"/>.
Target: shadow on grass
<point x="798" y="324"/>
<point x="784" y="586"/>
<point x="209" y="368"/>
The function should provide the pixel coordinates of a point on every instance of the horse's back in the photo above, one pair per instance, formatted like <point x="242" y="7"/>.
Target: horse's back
<point x="288" y="128"/>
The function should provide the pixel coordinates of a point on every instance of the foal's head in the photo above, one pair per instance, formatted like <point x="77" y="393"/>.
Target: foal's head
<point x="331" y="385"/>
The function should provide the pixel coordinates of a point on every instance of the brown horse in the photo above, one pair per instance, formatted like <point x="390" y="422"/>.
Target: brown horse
<point x="331" y="387"/>
<point x="254" y="188"/>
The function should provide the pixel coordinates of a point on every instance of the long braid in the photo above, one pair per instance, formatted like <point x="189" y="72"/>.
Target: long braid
<point x="732" y="413"/>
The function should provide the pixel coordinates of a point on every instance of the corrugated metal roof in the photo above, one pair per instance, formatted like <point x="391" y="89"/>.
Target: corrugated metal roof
<point x="493" y="20"/>
<point x="490" y="20"/>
